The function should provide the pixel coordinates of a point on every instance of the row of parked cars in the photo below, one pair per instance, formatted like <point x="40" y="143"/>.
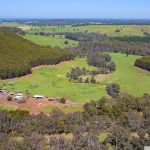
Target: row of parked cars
<point x="20" y="96"/>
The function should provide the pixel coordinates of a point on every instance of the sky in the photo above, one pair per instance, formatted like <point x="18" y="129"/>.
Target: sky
<point x="100" y="9"/>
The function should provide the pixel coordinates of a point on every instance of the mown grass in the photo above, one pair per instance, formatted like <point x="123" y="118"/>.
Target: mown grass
<point x="50" y="41"/>
<point x="51" y="81"/>
<point x="127" y="30"/>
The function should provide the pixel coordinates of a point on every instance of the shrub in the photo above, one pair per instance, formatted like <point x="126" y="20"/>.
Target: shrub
<point x="143" y="63"/>
<point x="66" y="42"/>
<point x="93" y="80"/>
<point x="87" y="80"/>
<point x="80" y="80"/>
<point x="63" y="100"/>
<point x="9" y="98"/>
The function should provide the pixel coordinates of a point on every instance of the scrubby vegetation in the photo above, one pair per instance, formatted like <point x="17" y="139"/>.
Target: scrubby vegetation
<point x="101" y="61"/>
<point x="125" y="119"/>
<point x="143" y="63"/>
<point x="18" y="56"/>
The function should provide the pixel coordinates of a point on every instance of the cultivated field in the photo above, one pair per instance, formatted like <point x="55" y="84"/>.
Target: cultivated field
<point x="51" y="80"/>
<point x="125" y="30"/>
<point x="50" y="41"/>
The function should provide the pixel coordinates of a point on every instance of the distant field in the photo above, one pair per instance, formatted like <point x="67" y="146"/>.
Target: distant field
<point x="127" y="30"/>
<point x="51" y="41"/>
<point x="51" y="81"/>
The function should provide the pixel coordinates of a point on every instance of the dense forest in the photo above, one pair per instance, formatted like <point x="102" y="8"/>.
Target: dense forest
<point x="18" y="55"/>
<point x="133" y="45"/>
<point x="125" y="120"/>
<point x="143" y="63"/>
<point x="97" y="42"/>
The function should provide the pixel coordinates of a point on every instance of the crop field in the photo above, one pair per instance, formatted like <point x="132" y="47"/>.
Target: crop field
<point x="125" y="30"/>
<point x="50" y="41"/>
<point x="51" y="80"/>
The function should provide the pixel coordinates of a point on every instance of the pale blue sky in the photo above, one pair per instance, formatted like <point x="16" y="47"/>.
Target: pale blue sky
<point x="131" y="9"/>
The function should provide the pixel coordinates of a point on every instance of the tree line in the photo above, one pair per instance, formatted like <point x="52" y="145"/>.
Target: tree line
<point x="97" y="42"/>
<point x="18" y="55"/>
<point x="102" y="62"/>
<point x="125" y="119"/>
<point x="133" y="45"/>
<point x="143" y="63"/>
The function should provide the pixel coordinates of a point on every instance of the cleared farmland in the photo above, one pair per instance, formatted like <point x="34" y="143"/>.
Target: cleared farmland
<point x="51" y="80"/>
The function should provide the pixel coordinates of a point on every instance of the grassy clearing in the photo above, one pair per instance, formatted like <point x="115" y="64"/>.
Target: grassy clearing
<point x="51" y="81"/>
<point x="51" y="41"/>
<point x="128" y="30"/>
<point x="131" y="79"/>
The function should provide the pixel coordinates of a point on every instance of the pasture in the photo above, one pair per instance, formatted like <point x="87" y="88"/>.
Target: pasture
<point x="51" y="80"/>
<point x="125" y="30"/>
<point x="50" y="41"/>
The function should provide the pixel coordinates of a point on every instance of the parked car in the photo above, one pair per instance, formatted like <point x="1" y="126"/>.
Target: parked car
<point x="38" y="97"/>
<point x="19" y="96"/>
<point x="11" y="94"/>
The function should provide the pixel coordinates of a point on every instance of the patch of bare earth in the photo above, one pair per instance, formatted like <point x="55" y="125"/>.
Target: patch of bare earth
<point x="33" y="105"/>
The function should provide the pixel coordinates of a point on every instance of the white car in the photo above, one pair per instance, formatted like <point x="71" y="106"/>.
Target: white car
<point x="11" y="94"/>
<point x="38" y="96"/>
<point x="19" y="96"/>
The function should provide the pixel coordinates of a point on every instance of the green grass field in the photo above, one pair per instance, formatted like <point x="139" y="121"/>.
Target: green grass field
<point x="50" y="41"/>
<point x="127" y="30"/>
<point x="51" y="81"/>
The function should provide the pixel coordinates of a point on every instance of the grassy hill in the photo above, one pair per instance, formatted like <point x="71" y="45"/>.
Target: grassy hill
<point x="19" y="55"/>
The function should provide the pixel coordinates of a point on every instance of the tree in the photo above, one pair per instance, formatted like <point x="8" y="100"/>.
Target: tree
<point x="80" y="80"/>
<point x="119" y="138"/>
<point x="66" y="42"/>
<point x="113" y="90"/>
<point x="63" y="100"/>
<point x="9" y="98"/>
<point x="87" y="80"/>
<point x="93" y="80"/>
